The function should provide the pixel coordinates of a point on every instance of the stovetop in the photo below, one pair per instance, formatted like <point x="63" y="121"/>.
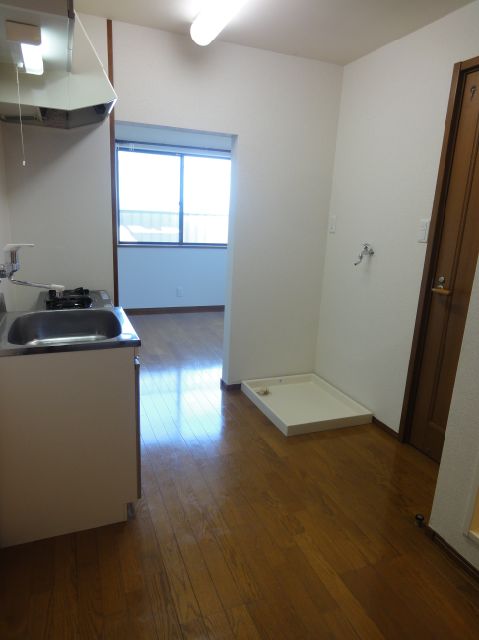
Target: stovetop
<point x="79" y="298"/>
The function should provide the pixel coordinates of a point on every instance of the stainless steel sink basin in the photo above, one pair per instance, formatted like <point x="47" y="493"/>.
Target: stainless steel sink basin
<point x="46" y="328"/>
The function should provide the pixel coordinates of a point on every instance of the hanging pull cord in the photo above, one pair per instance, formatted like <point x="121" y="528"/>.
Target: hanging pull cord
<point x="24" y="162"/>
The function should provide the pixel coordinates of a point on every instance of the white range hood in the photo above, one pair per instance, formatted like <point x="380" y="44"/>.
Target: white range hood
<point x="74" y="89"/>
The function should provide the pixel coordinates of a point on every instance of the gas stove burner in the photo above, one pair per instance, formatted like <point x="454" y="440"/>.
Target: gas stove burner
<point x="69" y="293"/>
<point x="79" y="291"/>
<point x="69" y="299"/>
<point x="72" y="302"/>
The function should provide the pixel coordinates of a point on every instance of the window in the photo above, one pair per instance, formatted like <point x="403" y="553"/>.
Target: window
<point x="168" y="195"/>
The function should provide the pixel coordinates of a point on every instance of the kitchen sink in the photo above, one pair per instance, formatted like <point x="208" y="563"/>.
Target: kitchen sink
<point x="48" y="328"/>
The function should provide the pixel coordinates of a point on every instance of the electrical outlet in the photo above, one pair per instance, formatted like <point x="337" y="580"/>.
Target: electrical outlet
<point x="332" y="224"/>
<point x="179" y="292"/>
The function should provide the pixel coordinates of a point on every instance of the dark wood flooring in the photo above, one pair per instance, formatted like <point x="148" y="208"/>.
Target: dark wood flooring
<point x="242" y="533"/>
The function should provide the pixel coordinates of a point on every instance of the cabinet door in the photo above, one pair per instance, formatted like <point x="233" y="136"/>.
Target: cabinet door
<point x="68" y="442"/>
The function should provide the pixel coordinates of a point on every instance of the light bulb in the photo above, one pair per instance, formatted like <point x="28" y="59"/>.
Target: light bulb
<point x="213" y="19"/>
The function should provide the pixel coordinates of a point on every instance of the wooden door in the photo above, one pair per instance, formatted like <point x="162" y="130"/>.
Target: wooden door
<point x="450" y="273"/>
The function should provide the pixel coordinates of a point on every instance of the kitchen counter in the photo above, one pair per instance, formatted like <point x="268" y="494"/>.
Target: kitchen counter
<point x="127" y="336"/>
<point x="69" y="442"/>
<point x="69" y="420"/>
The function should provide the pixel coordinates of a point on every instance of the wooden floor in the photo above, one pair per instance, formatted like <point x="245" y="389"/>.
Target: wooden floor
<point x="243" y="533"/>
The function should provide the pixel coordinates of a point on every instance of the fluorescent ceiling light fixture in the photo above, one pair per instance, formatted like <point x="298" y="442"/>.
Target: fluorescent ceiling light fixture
<point x="32" y="58"/>
<point x="29" y="36"/>
<point x="213" y="18"/>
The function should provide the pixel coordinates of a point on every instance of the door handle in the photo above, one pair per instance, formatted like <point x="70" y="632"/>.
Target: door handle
<point x="440" y="288"/>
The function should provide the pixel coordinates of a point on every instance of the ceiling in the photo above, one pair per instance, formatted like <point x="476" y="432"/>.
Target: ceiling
<point x="331" y="30"/>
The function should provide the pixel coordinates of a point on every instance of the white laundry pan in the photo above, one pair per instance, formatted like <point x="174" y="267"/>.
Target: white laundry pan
<point x="304" y="404"/>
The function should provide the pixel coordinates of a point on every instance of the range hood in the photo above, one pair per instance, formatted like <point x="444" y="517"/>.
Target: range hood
<point x="74" y="89"/>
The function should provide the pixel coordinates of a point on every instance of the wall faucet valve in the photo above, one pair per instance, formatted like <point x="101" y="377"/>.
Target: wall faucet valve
<point x="366" y="251"/>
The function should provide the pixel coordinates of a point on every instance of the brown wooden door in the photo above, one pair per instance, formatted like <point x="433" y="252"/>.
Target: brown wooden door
<point x="451" y="273"/>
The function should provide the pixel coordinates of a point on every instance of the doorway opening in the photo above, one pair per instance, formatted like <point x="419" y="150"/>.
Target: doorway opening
<point x="172" y="216"/>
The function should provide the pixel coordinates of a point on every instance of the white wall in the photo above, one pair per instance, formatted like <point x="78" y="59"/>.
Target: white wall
<point x="96" y="30"/>
<point x="61" y="200"/>
<point x="284" y="111"/>
<point x="458" y="481"/>
<point x="390" y="134"/>
<point x="149" y="277"/>
<point x="5" y="234"/>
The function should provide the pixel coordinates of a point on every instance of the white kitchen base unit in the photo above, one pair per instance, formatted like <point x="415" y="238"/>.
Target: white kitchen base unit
<point x="304" y="404"/>
<point x="68" y="442"/>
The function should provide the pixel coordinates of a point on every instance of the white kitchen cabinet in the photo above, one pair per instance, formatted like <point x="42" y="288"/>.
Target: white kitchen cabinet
<point x="69" y="442"/>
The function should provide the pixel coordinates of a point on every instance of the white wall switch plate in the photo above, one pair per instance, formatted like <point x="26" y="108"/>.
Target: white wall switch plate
<point x="332" y="224"/>
<point x="423" y="231"/>
<point x="179" y="292"/>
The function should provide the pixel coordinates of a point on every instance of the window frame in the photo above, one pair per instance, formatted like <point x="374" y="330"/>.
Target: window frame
<point x="168" y="150"/>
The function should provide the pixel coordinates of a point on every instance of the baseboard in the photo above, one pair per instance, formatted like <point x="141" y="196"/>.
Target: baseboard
<point x="452" y="553"/>
<point x="155" y="310"/>
<point x="229" y="387"/>
<point x="385" y="428"/>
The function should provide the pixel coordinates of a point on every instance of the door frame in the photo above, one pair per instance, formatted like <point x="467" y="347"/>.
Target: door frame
<point x="114" y="226"/>
<point x="437" y="219"/>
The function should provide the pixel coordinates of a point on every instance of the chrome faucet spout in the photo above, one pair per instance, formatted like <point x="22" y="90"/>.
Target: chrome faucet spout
<point x="12" y="265"/>
<point x="25" y="283"/>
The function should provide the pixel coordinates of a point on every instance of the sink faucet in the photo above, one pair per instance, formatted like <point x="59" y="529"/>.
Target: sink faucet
<point x="12" y="265"/>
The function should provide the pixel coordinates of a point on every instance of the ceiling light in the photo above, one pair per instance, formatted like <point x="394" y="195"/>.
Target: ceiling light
<point x="30" y="39"/>
<point x="213" y="18"/>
